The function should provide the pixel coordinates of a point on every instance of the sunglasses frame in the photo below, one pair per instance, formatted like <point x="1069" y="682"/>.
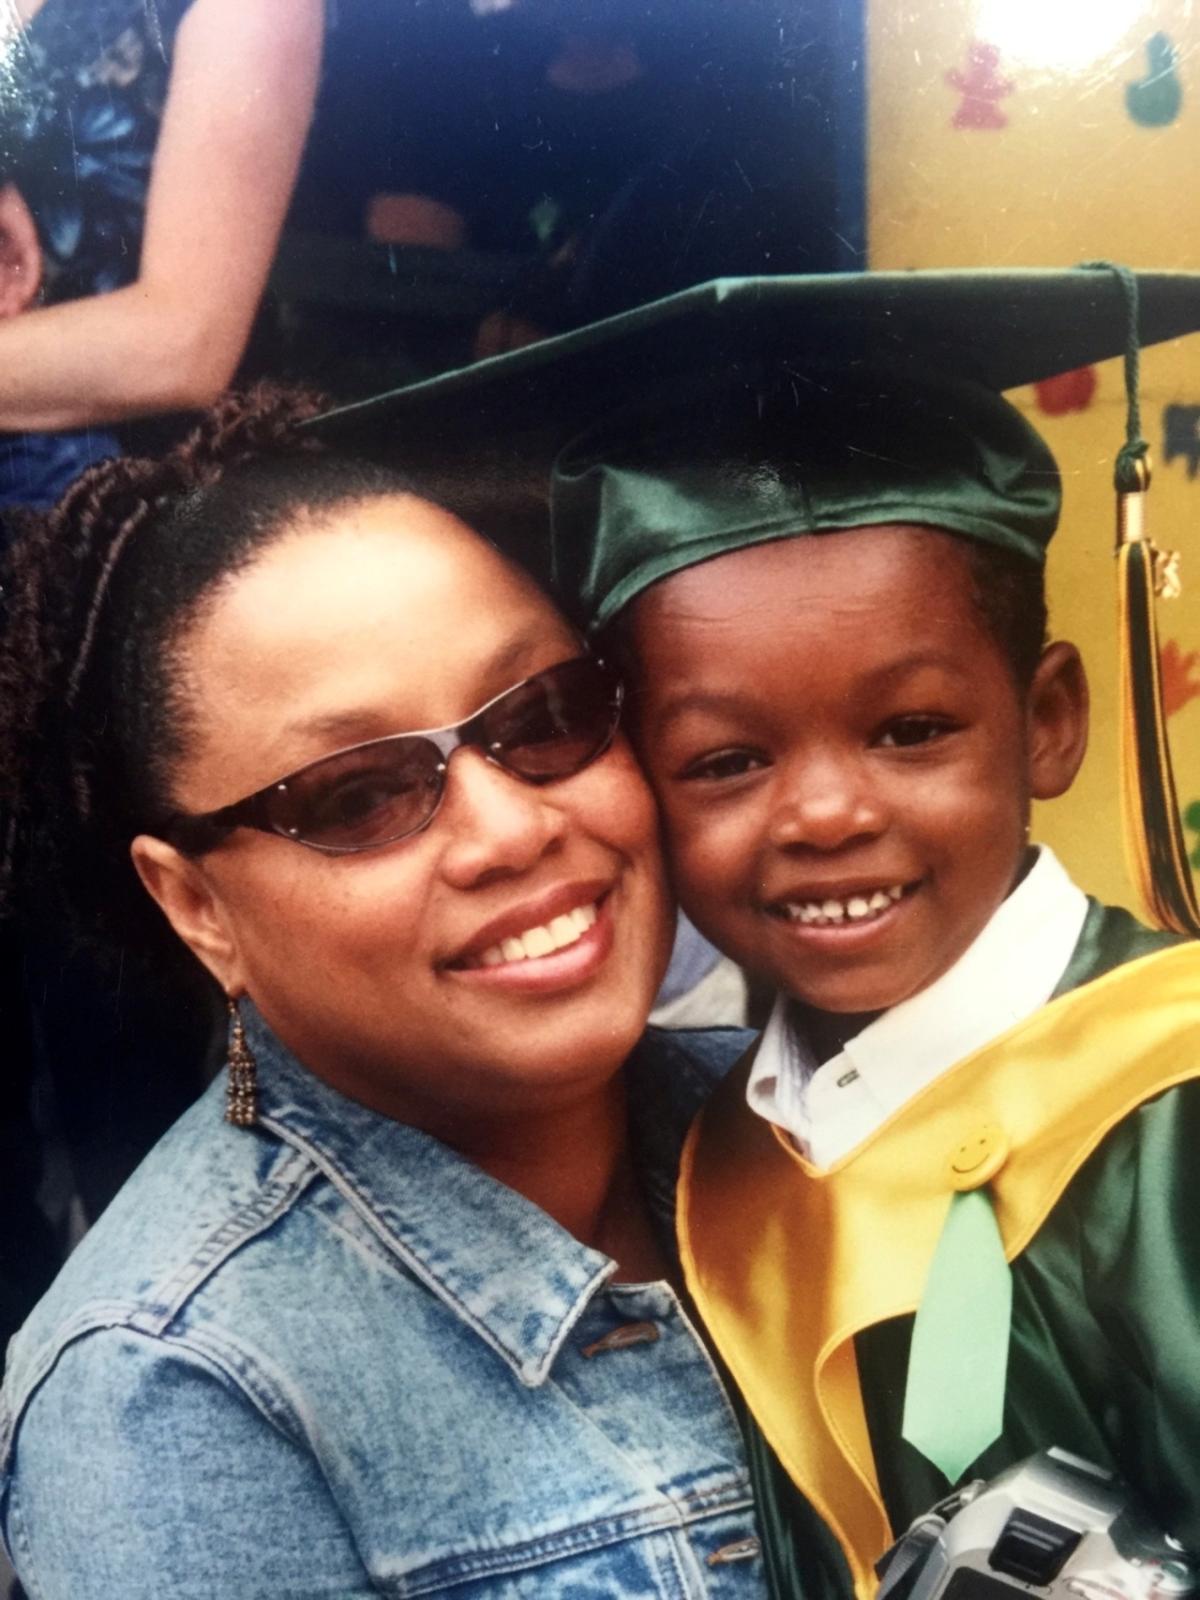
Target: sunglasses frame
<point x="195" y="833"/>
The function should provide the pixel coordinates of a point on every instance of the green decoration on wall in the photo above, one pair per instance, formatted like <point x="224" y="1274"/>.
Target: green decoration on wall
<point x="1191" y="821"/>
<point x="1154" y="100"/>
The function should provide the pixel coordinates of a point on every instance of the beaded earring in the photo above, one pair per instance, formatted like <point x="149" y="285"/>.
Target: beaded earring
<point x="241" y="1088"/>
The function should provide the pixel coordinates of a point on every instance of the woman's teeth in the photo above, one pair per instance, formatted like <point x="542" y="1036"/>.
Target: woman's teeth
<point x="828" y="913"/>
<point x="543" y="940"/>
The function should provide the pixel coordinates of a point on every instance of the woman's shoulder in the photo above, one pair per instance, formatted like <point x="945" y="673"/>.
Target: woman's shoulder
<point x="203" y="1192"/>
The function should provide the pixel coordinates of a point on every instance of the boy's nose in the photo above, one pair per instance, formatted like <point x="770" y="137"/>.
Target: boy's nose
<point x="495" y="823"/>
<point x="825" y="803"/>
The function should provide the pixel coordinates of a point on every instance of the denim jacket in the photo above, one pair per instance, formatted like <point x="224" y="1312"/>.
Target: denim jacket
<point x="328" y="1357"/>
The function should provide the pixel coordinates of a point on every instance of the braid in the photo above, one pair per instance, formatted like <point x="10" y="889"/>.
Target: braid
<point x="90" y="603"/>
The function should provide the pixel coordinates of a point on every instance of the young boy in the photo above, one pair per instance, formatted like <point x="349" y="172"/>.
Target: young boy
<point x="827" y="590"/>
<point x="820" y="559"/>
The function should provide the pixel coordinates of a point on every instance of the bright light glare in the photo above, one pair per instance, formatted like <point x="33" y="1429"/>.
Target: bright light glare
<point x="1065" y="34"/>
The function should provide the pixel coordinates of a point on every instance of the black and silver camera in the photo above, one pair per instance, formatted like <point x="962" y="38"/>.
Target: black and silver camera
<point x="1055" y="1525"/>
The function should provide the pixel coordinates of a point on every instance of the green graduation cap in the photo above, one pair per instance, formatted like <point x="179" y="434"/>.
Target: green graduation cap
<point x="753" y="409"/>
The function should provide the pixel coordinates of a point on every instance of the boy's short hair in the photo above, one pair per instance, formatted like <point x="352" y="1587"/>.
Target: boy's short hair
<point x="1010" y="593"/>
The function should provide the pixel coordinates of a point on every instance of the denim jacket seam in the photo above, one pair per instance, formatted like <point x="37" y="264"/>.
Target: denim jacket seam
<point x="94" y="1317"/>
<point x="707" y="1499"/>
<point x="230" y="1363"/>
<point x="597" y="1534"/>
<point x="277" y="1195"/>
<point x="235" y="1365"/>
<point x="17" y="1543"/>
<point x="718" y="1379"/>
<point x="532" y="1374"/>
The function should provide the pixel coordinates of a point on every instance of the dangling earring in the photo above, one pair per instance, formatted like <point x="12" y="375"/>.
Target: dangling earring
<point x="241" y="1088"/>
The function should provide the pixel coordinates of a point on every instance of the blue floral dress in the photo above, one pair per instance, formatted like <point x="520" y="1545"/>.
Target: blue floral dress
<point x="81" y="95"/>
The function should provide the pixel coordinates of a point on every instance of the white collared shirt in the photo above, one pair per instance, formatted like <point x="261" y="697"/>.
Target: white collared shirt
<point x="1011" y="969"/>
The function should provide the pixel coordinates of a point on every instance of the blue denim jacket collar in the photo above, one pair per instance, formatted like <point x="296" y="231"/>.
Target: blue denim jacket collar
<point x="521" y="1287"/>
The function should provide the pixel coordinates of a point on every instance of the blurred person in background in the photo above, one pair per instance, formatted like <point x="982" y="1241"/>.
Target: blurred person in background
<point x="148" y="150"/>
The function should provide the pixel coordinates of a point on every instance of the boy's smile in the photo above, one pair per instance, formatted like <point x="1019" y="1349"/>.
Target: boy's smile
<point x="843" y="756"/>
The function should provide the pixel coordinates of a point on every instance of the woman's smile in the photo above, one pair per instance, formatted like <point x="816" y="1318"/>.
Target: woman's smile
<point x="560" y="953"/>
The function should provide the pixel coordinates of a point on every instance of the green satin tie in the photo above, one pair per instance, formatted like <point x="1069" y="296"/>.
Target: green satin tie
<point x="954" y="1397"/>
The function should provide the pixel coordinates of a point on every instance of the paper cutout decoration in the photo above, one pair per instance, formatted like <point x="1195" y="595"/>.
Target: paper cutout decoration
<point x="1180" y="677"/>
<point x="1066" y="391"/>
<point x="1154" y="101"/>
<point x="1181" y="436"/>
<point x="981" y="88"/>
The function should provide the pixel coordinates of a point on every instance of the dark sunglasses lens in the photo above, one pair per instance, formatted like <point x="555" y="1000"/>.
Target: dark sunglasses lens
<point x="553" y="725"/>
<point x="362" y="797"/>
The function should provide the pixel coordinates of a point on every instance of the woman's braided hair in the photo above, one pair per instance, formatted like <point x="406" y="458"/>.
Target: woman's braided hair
<point x="96" y="595"/>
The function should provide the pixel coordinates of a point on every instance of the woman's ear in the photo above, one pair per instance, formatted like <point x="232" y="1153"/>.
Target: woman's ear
<point x="1057" y="713"/>
<point x="192" y="906"/>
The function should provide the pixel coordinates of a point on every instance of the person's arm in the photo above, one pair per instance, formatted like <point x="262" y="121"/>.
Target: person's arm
<point x="20" y="253"/>
<point x="141" y="1471"/>
<point x="238" y="108"/>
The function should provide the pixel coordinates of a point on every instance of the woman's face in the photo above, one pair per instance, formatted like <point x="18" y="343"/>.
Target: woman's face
<point x="388" y="617"/>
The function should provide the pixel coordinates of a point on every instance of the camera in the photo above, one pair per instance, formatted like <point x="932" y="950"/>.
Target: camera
<point x="1053" y="1526"/>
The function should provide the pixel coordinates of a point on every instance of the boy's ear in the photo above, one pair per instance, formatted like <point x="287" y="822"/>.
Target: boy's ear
<point x="1057" y="712"/>
<point x="192" y="906"/>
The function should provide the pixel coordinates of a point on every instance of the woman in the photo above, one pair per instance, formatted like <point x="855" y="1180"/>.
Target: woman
<point x="402" y="1324"/>
<point x="147" y="156"/>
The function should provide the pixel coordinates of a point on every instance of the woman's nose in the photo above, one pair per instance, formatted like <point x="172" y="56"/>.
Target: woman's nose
<point x="825" y="802"/>
<point x="494" y="823"/>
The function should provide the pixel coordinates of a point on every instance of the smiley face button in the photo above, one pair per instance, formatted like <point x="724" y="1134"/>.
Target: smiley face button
<point x="978" y="1158"/>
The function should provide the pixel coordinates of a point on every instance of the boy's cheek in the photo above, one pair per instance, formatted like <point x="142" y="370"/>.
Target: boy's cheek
<point x="706" y="883"/>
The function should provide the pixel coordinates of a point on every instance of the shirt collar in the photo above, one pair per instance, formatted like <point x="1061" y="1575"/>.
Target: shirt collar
<point x="1029" y="939"/>
<point x="497" y="1261"/>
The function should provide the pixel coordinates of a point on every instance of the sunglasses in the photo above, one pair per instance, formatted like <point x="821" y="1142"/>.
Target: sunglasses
<point x="543" y="729"/>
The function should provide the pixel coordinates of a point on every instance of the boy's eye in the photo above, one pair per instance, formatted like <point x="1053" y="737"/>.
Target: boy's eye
<point x="904" y="732"/>
<point x="723" y="764"/>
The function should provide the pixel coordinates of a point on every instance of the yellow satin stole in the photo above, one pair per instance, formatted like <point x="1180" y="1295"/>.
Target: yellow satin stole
<point x="787" y="1262"/>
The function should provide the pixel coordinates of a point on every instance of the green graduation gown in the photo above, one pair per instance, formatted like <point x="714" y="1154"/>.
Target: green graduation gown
<point x="1105" y="1345"/>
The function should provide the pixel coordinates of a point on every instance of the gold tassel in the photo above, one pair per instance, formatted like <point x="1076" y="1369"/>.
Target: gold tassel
<point x="1155" y="850"/>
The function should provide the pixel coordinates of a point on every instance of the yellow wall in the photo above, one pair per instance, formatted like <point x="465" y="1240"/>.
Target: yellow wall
<point x="1071" y="175"/>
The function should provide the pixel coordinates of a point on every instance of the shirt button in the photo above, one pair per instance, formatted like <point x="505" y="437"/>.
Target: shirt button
<point x="739" y="1550"/>
<point x="621" y="1338"/>
<point x="978" y="1158"/>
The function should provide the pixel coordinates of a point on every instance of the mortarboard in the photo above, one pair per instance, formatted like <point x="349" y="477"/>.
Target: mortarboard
<point x="878" y="393"/>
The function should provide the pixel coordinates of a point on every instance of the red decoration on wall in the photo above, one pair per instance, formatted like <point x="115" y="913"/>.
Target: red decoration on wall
<point x="981" y="88"/>
<point x="1180" y="677"/>
<point x="1066" y="391"/>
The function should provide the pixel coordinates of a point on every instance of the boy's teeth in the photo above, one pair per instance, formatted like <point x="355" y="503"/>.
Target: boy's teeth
<point x="543" y="940"/>
<point x="858" y="906"/>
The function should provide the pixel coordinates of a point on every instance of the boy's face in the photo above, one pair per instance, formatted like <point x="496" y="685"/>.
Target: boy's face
<point x="842" y="757"/>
